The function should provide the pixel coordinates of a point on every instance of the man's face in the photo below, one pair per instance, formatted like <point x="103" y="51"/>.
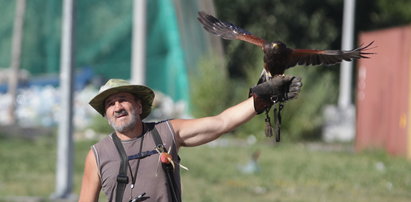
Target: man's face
<point x="123" y="111"/>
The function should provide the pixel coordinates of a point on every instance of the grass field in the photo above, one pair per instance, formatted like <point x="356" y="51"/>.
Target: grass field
<point x="288" y="172"/>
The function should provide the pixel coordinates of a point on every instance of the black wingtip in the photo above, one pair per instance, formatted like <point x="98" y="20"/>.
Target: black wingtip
<point x="367" y="47"/>
<point x="364" y="50"/>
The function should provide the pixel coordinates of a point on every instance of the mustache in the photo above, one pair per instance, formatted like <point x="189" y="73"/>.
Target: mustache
<point x="121" y="112"/>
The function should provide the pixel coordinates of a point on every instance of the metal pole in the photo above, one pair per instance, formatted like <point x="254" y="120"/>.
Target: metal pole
<point x="344" y="98"/>
<point x="15" y="57"/>
<point x="340" y="120"/>
<point x="138" y="63"/>
<point x="64" y="175"/>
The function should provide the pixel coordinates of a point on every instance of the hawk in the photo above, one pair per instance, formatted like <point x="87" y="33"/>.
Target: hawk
<point x="277" y="56"/>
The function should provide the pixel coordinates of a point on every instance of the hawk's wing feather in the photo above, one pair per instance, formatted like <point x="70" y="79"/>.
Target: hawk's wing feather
<point x="227" y="30"/>
<point x="326" y="57"/>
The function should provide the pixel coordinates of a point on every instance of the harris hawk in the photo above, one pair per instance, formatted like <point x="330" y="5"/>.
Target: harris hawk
<point x="277" y="56"/>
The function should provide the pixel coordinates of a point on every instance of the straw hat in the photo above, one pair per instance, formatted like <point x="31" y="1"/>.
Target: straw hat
<point x="114" y="86"/>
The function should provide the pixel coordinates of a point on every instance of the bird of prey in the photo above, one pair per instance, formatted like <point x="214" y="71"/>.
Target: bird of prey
<point x="277" y="56"/>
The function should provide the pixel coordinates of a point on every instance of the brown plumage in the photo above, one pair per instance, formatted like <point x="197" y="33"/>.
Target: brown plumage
<point x="277" y="57"/>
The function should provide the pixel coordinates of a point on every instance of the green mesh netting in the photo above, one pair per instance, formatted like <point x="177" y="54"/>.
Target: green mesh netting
<point x="103" y="40"/>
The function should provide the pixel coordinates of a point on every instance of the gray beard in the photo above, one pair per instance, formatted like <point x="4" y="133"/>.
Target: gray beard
<point x="128" y="126"/>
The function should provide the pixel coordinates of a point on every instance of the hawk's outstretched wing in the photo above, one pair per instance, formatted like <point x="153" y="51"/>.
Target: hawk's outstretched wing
<point x="326" y="57"/>
<point x="227" y="30"/>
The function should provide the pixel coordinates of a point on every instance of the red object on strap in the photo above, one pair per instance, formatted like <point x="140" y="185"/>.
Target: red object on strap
<point x="165" y="157"/>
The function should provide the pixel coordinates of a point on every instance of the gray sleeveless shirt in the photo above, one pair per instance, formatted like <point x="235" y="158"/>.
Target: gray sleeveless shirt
<point x="150" y="178"/>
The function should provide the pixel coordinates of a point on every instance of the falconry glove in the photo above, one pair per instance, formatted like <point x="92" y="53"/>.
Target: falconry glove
<point x="277" y="89"/>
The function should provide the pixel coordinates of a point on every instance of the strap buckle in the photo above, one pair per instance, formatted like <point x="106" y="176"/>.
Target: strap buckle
<point x="122" y="179"/>
<point x="160" y="148"/>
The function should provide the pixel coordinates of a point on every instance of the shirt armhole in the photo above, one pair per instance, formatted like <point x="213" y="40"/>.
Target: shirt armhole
<point x="97" y="157"/>
<point x="170" y="127"/>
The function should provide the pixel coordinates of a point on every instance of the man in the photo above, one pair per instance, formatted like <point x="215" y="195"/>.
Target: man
<point x="125" y="106"/>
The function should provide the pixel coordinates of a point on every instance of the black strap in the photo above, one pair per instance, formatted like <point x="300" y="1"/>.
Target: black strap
<point x="277" y="120"/>
<point x="268" y="128"/>
<point x="277" y="117"/>
<point x="122" y="178"/>
<point x="167" y="167"/>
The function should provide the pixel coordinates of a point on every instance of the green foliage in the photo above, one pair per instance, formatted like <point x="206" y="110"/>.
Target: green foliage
<point x="211" y="89"/>
<point x="302" y="117"/>
<point x="377" y="14"/>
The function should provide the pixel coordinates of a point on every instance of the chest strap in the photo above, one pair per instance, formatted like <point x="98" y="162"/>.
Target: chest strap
<point x="122" y="178"/>
<point x="142" y="155"/>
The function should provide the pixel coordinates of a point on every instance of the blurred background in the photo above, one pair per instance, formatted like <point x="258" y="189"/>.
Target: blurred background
<point x="335" y="146"/>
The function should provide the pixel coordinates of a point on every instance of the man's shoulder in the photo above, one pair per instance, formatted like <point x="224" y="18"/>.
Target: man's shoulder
<point x="104" y="141"/>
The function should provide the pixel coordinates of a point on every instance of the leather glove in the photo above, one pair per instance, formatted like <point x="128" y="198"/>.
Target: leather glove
<point x="277" y="89"/>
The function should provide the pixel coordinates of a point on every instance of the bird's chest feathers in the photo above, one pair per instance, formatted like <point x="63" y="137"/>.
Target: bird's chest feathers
<point x="275" y="63"/>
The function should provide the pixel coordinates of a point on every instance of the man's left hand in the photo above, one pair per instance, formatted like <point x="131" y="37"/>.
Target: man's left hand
<point x="277" y="89"/>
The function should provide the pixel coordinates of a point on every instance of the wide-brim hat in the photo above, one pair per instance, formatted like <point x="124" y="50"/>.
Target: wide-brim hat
<point x="113" y="86"/>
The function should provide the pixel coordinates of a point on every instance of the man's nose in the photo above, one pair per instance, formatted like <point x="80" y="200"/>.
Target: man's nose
<point x="117" y="106"/>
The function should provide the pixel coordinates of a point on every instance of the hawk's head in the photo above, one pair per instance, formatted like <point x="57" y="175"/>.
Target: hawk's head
<point x="275" y="47"/>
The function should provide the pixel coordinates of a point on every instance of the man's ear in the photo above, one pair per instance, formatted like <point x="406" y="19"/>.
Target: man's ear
<point x="139" y="106"/>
